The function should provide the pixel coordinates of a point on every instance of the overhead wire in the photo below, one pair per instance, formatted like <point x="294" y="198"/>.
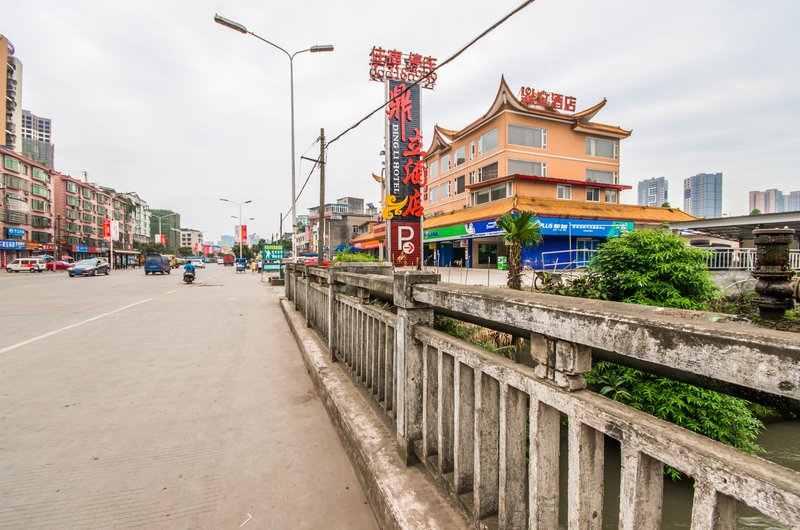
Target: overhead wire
<point x="434" y="70"/>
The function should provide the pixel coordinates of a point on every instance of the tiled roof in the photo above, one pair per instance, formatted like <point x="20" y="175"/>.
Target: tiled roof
<point x="560" y="208"/>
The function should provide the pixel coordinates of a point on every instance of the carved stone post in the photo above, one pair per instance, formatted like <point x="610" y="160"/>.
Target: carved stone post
<point x="773" y="272"/>
<point x="409" y="359"/>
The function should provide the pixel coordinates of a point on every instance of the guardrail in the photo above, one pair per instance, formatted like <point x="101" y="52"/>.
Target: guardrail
<point x="489" y="429"/>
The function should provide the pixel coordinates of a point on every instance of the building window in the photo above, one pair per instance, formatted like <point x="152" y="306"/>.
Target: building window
<point x="73" y="240"/>
<point x="9" y="162"/>
<point x="72" y="200"/>
<point x="101" y="210"/>
<point x="87" y="206"/>
<point x="527" y="136"/>
<point x="72" y="227"/>
<point x="40" y="191"/>
<point x="88" y="218"/>
<point x="40" y="222"/>
<point x="72" y="187"/>
<point x="459" y="185"/>
<point x="487" y="142"/>
<point x="602" y="148"/>
<point x="526" y="167"/>
<point x="593" y="194"/>
<point x="445" y="190"/>
<point x="39" y="206"/>
<point x="487" y="172"/>
<point x="564" y="191"/>
<point x="459" y="156"/>
<point x="40" y="237"/>
<point x="472" y="150"/>
<point x="16" y="183"/>
<point x="612" y="196"/>
<point x="434" y="193"/>
<point x="433" y="170"/>
<point x="72" y="214"/>
<point x="38" y="174"/>
<point x="87" y="193"/>
<point x="444" y="162"/>
<point x="601" y="177"/>
<point x="500" y="191"/>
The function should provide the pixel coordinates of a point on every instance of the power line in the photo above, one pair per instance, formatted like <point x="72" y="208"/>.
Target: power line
<point x="446" y="61"/>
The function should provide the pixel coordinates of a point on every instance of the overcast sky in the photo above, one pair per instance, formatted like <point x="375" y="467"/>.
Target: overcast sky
<point x="154" y="97"/>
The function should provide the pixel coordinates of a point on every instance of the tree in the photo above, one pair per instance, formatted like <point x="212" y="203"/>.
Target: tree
<point x="651" y="267"/>
<point x="755" y="211"/>
<point x="521" y="229"/>
<point x="149" y="248"/>
<point x="654" y="267"/>
<point x="184" y="251"/>
<point x="666" y="205"/>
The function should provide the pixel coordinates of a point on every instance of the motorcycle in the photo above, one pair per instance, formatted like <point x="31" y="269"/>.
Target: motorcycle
<point x="188" y="277"/>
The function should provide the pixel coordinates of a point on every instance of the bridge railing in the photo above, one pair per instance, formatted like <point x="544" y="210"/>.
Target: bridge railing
<point x="488" y="428"/>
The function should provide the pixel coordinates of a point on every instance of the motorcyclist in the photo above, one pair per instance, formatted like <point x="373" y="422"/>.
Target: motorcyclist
<point x="189" y="267"/>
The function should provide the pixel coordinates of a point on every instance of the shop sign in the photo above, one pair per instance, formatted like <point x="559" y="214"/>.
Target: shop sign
<point x="542" y="98"/>
<point x="81" y="248"/>
<point x="48" y="246"/>
<point x="15" y="232"/>
<point x="33" y="246"/>
<point x="406" y="243"/>
<point x="11" y="244"/>
<point x="368" y="244"/>
<point x="392" y="64"/>
<point x="550" y="226"/>
<point x="445" y="232"/>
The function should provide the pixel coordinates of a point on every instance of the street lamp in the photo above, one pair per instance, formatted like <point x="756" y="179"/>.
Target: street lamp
<point x="240" y="204"/>
<point x="313" y="49"/>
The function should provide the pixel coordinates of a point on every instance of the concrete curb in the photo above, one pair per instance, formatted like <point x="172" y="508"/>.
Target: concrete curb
<point x="400" y="496"/>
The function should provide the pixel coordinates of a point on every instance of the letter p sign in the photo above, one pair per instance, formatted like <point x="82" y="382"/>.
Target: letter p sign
<point x="405" y="239"/>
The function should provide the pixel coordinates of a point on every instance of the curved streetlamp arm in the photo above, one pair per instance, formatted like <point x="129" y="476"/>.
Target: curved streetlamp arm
<point x="289" y="55"/>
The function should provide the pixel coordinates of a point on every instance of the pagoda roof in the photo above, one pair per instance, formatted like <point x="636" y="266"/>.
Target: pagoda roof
<point x="559" y="208"/>
<point x="506" y="100"/>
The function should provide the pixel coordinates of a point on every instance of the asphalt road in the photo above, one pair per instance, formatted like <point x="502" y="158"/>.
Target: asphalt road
<point x="133" y="401"/>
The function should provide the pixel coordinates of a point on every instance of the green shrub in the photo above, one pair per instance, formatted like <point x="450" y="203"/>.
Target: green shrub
<point x="345" y="256"/>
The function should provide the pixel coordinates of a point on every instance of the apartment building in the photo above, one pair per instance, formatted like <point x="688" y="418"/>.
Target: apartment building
<point x="652" y="192"/>
<point x="37" y="141"/>
<point x="140" y="217"/>
<point x="26" y="203"/>
<point x="193" y="239"/>
<point x="11" y="92"/>
<point x="527" y="155"/>
<point x="702" y="195"/>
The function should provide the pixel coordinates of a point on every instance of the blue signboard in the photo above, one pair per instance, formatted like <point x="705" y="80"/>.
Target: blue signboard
<point x="550" y="226"/>
<point x="81" y="248"/>
<point x="11" y="244"/>
<point x="15" y="232"/>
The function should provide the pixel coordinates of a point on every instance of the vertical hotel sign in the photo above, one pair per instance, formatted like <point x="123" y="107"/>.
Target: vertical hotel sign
<point x="405" y="164"/>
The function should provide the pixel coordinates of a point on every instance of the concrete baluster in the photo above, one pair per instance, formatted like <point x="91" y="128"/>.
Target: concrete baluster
<point x="430" y="408"/>
<point x="544" y="454"/>
<point x="641" y="490"/>
<point x="487" y="446"/>
<point x="408" y="358"/>
<point x="464" y="428"/>
<point x="585" y="476"/>
<point x="711" y="510"/>
<point x="513" y="477"/>
<point x="445" y="406"/>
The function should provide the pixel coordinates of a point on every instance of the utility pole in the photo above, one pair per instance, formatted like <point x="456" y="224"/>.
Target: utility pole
<point x="321" y="249"/>
<point x="280" y="229"/>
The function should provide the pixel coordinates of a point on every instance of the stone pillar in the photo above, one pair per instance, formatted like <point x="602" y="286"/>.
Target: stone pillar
<point x="308" y="289"/>
<point x="561" y="361"/>
<point x="773" y="272"/>
<point x="408" y="364"/>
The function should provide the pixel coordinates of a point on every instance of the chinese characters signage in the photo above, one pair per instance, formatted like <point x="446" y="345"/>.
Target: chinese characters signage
<point x="407" y="174"/>
<point x="243" y="234"/>
<point x="550" y="100"/>
<point x="549" y="226"/>
<point x="392" y="64"/>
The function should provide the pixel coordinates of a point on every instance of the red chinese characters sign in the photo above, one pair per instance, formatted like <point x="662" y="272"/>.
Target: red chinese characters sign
<point x="106" y="229"/>
<point x="550" y="100"/>
<point x="392" y="64"/>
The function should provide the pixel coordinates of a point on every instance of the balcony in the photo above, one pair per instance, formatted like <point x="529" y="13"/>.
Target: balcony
<point x="14" y="217"/>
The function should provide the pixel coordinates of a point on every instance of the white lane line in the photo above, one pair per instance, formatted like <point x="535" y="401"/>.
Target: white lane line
<point x="65" y="328"/>
<point x="170" y="292"/>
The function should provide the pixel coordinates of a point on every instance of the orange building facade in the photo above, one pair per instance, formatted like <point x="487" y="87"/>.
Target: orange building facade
<point x="563" y="166"/>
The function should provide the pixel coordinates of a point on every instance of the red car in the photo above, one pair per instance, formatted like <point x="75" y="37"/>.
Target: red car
<point x="59" y="265"/>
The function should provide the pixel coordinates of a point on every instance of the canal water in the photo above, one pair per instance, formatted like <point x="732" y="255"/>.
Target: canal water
<point x="781" y="442"/>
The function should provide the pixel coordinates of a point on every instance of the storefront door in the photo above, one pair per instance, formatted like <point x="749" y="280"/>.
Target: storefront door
<point x="585" y="249"/>
<point x="487" y="254"/>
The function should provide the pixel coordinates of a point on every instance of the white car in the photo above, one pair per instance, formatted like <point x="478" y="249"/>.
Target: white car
<point x="220" y="261"/>
<point x="198" y="263"/>
<point x="27" y="265"/>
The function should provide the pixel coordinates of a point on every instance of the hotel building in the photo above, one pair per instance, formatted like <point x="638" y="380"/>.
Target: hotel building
<point x="520" y="156"/>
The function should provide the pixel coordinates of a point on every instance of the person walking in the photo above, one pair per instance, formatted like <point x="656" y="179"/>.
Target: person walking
<point x="253" y="266"/>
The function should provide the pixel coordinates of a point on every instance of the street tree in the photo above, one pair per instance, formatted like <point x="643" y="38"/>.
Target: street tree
<point x="521" y="230"/>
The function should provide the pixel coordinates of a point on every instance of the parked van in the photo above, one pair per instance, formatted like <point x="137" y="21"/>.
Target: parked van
<point x="27" y="264"/>
<point x="154" y="263"/>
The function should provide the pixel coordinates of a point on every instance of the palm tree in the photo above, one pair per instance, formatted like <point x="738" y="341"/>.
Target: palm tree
<point x="521" y="229"/>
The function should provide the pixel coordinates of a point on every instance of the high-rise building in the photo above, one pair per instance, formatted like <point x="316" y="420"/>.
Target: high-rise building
<point x="140" y="217"/>
<point x="11" y="91"/>
<point x="36" y="138"/>
<point x="702" y="195"/>
<point x="769" y="201"/>
<point x="652" y="192"/>
<point x="793" y="201"/>
<point x="166" y="223"/>
<point x="227" y="241"/>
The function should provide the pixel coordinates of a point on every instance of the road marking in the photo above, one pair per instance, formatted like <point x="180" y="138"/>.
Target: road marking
<point x="245" y="521"/>
<point x="65" y="328"/>
<point x="170" y="292"/>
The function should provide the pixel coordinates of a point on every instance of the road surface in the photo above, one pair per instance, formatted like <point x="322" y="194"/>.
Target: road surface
<point x="138" y="401"/>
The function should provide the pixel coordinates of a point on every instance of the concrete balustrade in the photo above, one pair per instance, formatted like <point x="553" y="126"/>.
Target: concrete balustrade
<point x="488" y="429"/>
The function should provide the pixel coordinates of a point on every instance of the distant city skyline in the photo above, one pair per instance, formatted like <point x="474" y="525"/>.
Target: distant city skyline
<point x="774" y="201"/>
<point x="652" y="192"/>
<point x="702" y="195"/>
